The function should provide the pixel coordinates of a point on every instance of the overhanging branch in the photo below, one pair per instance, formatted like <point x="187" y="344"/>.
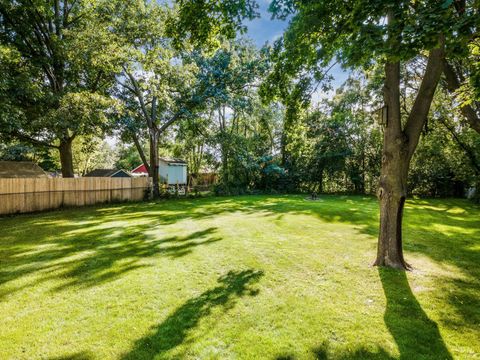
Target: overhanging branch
<point x="421" y="106"/>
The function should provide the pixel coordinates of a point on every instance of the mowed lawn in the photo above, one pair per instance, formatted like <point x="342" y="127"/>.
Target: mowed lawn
<point x="253" y="277"/>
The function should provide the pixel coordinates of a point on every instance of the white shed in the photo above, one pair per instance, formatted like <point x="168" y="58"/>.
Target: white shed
<point x="173" y="171"/>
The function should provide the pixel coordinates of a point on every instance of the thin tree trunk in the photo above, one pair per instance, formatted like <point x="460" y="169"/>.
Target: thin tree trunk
<point x="225" y="164"/>
<point x="320" y="182"/>
<point x="283" y="150"/>
<point x="469" y="152"/>
<point x="141" y="152"/>
<point x="66" y="158"/>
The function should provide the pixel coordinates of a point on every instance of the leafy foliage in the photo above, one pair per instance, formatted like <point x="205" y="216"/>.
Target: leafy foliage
<point x="203" y="21"/>
<point x="58" y="61"/>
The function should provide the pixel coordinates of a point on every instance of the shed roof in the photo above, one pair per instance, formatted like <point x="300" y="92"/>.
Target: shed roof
<point x="169" y="160"/>
<point x="104" y="173"/>
<point x="21" y="169"/>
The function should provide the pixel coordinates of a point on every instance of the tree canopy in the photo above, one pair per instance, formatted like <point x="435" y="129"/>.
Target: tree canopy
<point x="58" y="60"/>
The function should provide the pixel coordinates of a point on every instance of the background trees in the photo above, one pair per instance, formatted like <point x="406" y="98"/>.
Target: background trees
<point x="360" y="34"/>
<point x="156" y="85"/>
<point x="58" y="61"/>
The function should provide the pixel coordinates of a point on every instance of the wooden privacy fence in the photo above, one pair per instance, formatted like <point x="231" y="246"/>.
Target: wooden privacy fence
<point x="29" y="195"/>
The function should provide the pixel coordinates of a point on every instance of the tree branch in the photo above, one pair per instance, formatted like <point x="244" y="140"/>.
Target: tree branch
<point x="452" y="85"/>
<point x="139" y="94"/>
<point x="465" y="147"/>
<point x="421" y="106"/>
<point x="20" y="136"/>
<point x="140" y="151"/>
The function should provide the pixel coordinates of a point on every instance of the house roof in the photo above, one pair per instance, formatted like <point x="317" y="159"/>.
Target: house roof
<point x="104" y="172"/>
<point x="173" y="160"/>
<point x="140" y="169"/>
<point x="21" y="169"/>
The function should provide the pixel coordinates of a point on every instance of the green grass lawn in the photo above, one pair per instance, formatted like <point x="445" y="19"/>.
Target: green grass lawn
<point x="252" y="277"/>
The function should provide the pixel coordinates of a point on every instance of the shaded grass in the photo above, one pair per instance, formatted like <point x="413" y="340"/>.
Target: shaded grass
<point x="249" y="277"/>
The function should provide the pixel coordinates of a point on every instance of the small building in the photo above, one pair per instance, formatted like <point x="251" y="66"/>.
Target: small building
<point x="114" y="173"/>
<point x="171" y="171"/>
<point x="21" y="169"/>
<point x="140" y="170"/>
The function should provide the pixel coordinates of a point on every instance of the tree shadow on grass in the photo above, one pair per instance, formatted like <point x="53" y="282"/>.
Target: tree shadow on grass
<point x="75" y="356"/>
<point x="117" y="238"/>
<point x="89" y="256"/>
<point x="174" y="330"/>
<point x="445" y="230"/>
<point x="416" y="335"/>
<point x="115" y="258"/>
<point x="90" y="246"/>
<point x="324" y="352"/>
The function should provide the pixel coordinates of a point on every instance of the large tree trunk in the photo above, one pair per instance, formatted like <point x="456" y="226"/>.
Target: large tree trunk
<point x="66" y="158"/>
<point x="392" y="189"/>
<point x="392" y="194"/>
<point x="398" y="148"/>
<point x="154" y="164"/>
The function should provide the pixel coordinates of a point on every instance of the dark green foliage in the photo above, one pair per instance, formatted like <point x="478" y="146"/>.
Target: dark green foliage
<point x="354" y="33"/>
<point x="128" y="157"/>
<point x="24" y="152"/>
<point x="203" y="21"/>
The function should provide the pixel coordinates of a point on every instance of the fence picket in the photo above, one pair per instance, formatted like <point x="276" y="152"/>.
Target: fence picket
<point x="30" y="194"/>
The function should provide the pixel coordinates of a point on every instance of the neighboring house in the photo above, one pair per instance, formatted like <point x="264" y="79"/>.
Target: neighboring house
<point x="108" y="173"/>
<point x="172" y="171"/>
<point x="21" y="169"/>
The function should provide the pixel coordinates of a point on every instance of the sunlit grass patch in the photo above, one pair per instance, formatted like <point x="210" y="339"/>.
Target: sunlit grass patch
<point x="252" y="277"/>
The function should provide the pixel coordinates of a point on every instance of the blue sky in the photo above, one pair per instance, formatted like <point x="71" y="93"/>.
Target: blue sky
<point x="264" y="29"/>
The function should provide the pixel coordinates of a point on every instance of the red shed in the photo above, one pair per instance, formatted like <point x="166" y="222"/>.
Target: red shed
<point x="140" y="170"/>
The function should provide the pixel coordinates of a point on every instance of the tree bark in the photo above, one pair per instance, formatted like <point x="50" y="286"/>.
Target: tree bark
<point x="154" y="163"/>
<point x="392" y="189"/>
<point x="320" y="182"/>
<point x="398" y="148"/>
<point x="66" y="158"/>
<point x="392" y="194"/>
<point x="225" y="175"/>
